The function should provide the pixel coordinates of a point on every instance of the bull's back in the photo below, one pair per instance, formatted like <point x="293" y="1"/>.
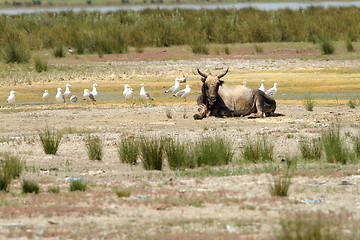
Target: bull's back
<point x="238" y="99"/>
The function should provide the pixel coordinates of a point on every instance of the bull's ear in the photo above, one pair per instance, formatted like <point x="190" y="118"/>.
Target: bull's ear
<point x="221" y="82"/>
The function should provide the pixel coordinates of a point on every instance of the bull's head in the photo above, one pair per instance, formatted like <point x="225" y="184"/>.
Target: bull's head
<point x="211" y="85"/>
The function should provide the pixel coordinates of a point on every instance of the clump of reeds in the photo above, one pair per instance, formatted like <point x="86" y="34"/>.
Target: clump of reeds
<point x="94" y="147"/>
<point x="180" y="155"/>
<point x="50" y="140"/>
<point x="309" y="104"/>
<point x="280" y="186"/>
<point x="128" y="150"/>
<point x="152" y="152"/>
<point x="327" y="48"/>
<point x="349" y="45"/>
<point x="261" y="150"/>
<point x="311" y="149"/>
<point x="59" y="52"/>
<point x="78" y="186"/>
<point x="213" y="151"/>
<point x="352" y="104"/>
<point x="334" y="146"/>
<point x="122" y="193"/>
<point x="15" y="49"/>
<point x="40" y="64"/>
<point x="29" y="186"/>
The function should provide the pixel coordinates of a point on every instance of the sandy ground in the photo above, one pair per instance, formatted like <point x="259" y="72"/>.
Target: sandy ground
<point x="230" y="202"/>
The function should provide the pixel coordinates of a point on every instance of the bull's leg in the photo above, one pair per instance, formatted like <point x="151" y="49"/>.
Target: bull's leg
<point x="259" y="107"/>
<point x="202" y="112"/>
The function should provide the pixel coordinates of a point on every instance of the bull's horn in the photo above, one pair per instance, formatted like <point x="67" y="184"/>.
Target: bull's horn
<point x="202" y="74"/>
<point x="221" y="75"/>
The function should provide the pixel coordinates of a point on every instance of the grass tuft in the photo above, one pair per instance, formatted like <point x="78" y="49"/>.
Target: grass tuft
<point x="280" y="186"/>
<point x="122" y="193"/>
<point x="12" y="165"/>
<point x="309" y="104"/>
<point x="59" y="52"/>
<point x="179" y="155"/>
<point x="55" y="189"/>
<point x="349" y="46"/>
<point x="259" y="151"/>
<point x="352" y="104"/>
<point x="94" y="147"/>
<point x="213" y="151"/>
<point x="151" y="152"/>
<point x="50" y="140"/>
<point x="40" y="64"/>
<point x="30" y="187"/>
<point x="78" y="186"/>
<point x="5" y="180"/>
<point x="128" y="150"/>
<point x="311" y="150"/>
<point x="327" y="48"/>
<point x="335" y="150"/>
<point x="15" y="49"/>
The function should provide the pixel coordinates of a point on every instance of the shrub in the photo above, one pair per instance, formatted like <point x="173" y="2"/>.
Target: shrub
<point x="316" y="226"/>
<point x="199" y="47"/>
<point x="335" y="151"/>
<point x="128" y="150"/>
<point x="349" y="46"/>
<point x="30" y="187"/>
<point x="122" y="193"/>
<point x="5" y="180"/>
<point x="59" y="52"/>
<point x="327" y="48"/>
<point x="151" y="152"/>
<point x="179" y="155"/>
<point x="40" y="64"/>
<point x="55" y="189"/>
<point x="50" y="140"/>
<point x="258" y="151"/>
<point x="94" y="147"/>
<point x="15" y="49"/>
<point x="352" y="104"/>
<point x="309" y="104"/>
<point x="280" y="186"/>
<point x="12" y="165"/>
<point x="213" y="152"/>
<point x="311" y="150"/>
<point x="78" y="186"/>
<point x="258" y="48"/>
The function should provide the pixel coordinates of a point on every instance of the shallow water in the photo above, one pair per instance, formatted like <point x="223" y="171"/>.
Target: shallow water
<point x="260" y="6"/>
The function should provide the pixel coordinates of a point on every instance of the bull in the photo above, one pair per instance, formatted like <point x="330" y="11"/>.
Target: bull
<point x="221" y="100"/>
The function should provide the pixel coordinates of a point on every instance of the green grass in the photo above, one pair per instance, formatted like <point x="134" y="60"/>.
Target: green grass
<point x="29" y="186"/>
<point x="41" y="64"/>
<point x="5" y="180"/>
<point x="78" y="186"/>
<point x="128" y="150"/>
<point x="152" y="152"/>
<point x="12" y="165"/>
<point x="309" y="104"/>
<point x="334" y="146"/>
<point x="122" y="193"/>
<point x="327" y="47"/>
<point x="280" y="186"/>
<point x="15" y="48"/>
<point x="352" y="104"/>
<point x="180" y="155"/>
<point x="259" y="151"/>
<point x="310" y="149"/>
<point x="50" y="140"/>
<point x="94" y="147"/>
<point x="356" y="142"/>
<point x="55" y="189"/>
<point x="315" y="226"/>
<point x="213" y="151"/>
<point x="59" y="52"/>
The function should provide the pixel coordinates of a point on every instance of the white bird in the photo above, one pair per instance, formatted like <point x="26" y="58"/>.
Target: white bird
<point x="11" y="99"/>
<point x="175" y="87"/>
<point x="46" y="96"/>
<point x="244" y="83"/>
<point x="183" y="93"/>
<point x="181" y="79"/>
<point x="94" y="91"/>
<point x="73" y="98"/>
<point x="144" y="94"/>
<point x="67" y="93"/>
<point x="128" y="92"/>
<point x="59" y="96"/>
<point x="88" y="95"/>
<point x="262" y="86"/>
<point x="70" y="51"/>
<point x="272" y="91"/>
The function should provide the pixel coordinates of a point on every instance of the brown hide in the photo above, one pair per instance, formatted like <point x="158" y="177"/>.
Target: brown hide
<point x="219" y="99"/>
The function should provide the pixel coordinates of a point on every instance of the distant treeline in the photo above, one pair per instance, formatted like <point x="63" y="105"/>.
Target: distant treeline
<point x="89" y="32"/>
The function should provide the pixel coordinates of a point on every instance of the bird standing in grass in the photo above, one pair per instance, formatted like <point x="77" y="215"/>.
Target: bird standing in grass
<point x="46" y="96"/>
<point x="183" y="93"/>
<point x="59" y="96"/>
<point x="244" y="83"/>
<point x="94" y="91"/>
<point x="175" y="87"/>
<point x="128" y="92"/>
<point x="67" y="93"/>
<point x="262" y="86"/>
<point x="272" y="91"/>
<point x="144" y="94"/>
<point x="11" y="99"/>
<point x="88" y="95"/>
